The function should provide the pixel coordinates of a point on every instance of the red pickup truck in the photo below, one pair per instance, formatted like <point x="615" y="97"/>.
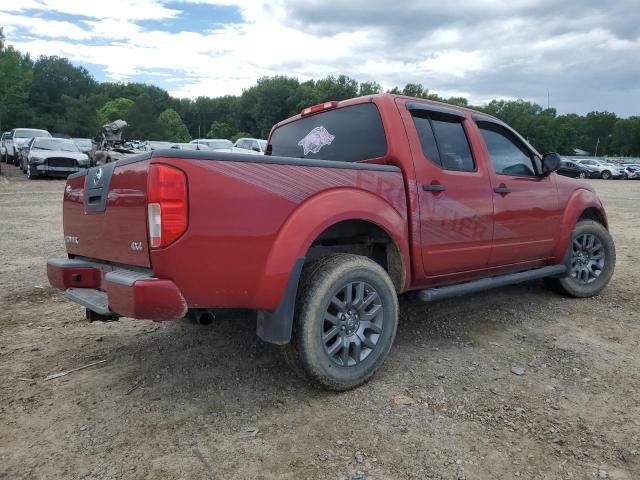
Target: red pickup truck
<point x="353" y="203"/>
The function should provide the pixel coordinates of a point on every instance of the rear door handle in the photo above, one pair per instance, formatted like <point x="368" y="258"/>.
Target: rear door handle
<point x="433" y="187"/>
<point x="502" y="190"/>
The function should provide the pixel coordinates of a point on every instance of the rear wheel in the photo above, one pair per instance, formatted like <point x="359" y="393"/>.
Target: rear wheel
<point x="605" y="175"/>
<point x="592" y="259"/>
<point x="345" y="321"/>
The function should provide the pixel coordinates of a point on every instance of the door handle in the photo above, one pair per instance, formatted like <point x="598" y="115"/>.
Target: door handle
<point x="433" y="187"/>
<point x="502" y="190"/>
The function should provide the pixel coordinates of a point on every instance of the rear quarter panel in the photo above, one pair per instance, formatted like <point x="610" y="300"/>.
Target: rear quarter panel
<point x="248" y="222"/>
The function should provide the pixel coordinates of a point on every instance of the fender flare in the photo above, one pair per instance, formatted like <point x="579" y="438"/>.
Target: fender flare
<point x="311" y="218"/>
<point x="579" y="201"/>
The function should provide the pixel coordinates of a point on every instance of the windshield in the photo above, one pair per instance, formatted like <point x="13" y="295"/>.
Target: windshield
<point x="83" y="142"/>
<point x="31" y="133"/>
<point x="54" y="144"/>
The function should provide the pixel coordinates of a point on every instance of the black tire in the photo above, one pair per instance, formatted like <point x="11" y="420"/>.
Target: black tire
<point x="9" y="159"/>
<point x="372" y="297"/>
<point x="605" y="175"/>
<point x="576" y="284"/>
<point x="31" y="175"/>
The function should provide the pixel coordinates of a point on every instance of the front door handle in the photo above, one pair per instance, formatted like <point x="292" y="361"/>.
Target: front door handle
<point x="502" y="190"/>
<point x="433" y="187"/>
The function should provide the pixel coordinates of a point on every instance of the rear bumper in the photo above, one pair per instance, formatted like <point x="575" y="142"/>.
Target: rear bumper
<point x="116" y="291"/>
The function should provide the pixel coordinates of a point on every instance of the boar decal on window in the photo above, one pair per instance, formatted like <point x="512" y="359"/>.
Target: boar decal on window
<point x="315" y="140"/>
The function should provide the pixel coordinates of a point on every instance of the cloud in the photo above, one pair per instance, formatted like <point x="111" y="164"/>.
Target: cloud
<point x="583" y="51"/>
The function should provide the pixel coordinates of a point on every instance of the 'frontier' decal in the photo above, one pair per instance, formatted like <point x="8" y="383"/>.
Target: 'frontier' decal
<point x="315" y="140"/>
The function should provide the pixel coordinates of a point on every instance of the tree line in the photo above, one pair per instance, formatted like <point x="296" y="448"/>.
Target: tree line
<point x="53" y="94"/>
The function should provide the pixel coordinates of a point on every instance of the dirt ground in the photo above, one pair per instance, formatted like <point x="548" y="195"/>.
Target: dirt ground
<point x="180" y="401"/>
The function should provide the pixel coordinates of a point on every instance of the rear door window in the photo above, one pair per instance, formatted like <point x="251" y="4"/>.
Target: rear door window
<point x="347" y="134"/>
<point x="444" y="141"/>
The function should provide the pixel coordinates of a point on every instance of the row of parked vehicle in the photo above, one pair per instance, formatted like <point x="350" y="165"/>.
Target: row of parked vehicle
<point x="38" y="153"/>
<point x="594" y="168"/>
<point x="242" y="145"/>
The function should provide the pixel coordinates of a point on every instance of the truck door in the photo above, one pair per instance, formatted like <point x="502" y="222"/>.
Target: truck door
<point x="454" y="190"/>
<point x="526" y="212"/>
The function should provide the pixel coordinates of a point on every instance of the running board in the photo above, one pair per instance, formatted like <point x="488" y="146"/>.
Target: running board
<point x="431" y="294"/>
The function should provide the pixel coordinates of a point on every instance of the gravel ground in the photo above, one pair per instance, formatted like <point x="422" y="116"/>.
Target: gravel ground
<point x="177" y="401"/>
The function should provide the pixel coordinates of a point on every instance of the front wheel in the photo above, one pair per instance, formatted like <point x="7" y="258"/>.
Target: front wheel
<point x="605" y="175"/>
<point x="31" y="173"/>
<point x="345" y="321"/>
<point x="591" y="261"/>
<point x="582" y="175"/>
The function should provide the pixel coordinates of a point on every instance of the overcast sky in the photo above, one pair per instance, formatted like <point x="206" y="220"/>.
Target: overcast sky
<point x="586" y="53"/>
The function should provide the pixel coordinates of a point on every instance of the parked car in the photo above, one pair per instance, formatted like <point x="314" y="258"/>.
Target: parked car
<point x="572" y="169"/>
<point x="631" y="171"/>
<point x="158" y="145"/>
<point x="85" y="146"/>
<point x="250" y="145"/>
<point x="55" y="157"/>
<point x="189" y="146"/>
<point x="602" y="169"/>
<point x="357" y="202"/>
<point x="3" y="147"/>
<point x="17" y="137"/>
<point x="214" y="143"/>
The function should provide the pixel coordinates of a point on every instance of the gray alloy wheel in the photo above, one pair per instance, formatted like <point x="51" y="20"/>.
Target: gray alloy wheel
<point x="587" y="259"/>
<point x="352" y="323"/>
<point x="345" y="321"/>
<point x="590" y="261"/>
<point x="605" y="175"/>
<point x="582" y="175"/>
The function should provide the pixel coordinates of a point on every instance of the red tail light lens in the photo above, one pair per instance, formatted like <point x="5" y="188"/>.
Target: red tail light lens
<point x="166" y="204"/>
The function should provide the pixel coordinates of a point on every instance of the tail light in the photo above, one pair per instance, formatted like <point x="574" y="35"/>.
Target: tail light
<point x="166" y="204"/>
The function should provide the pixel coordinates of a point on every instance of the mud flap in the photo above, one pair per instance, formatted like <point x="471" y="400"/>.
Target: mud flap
<point x="275" y="327"/>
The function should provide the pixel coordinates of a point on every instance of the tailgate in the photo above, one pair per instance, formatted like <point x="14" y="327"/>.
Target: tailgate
<point x="105" y="213"/>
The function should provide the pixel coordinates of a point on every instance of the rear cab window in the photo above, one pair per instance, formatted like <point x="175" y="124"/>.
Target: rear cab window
<point x="347" y="134"/>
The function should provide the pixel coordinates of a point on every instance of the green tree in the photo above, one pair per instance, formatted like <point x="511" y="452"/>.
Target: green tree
<point x="369" y="88"/>
<point x="55" y="77"/>
<point x="117" y="109"/>
<point x="220" y="130"/>
<point x="80" y="117"/>
<point x="173" y="127"/>
<point x="144" y="123"/>
<point x="15" y="85"/>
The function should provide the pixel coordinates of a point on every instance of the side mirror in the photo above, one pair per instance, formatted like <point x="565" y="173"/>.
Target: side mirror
<point x="256" y="149"/>
<point x="550" y="163"/>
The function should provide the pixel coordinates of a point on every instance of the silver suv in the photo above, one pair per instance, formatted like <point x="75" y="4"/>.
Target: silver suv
<point x="602" y="169"/>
